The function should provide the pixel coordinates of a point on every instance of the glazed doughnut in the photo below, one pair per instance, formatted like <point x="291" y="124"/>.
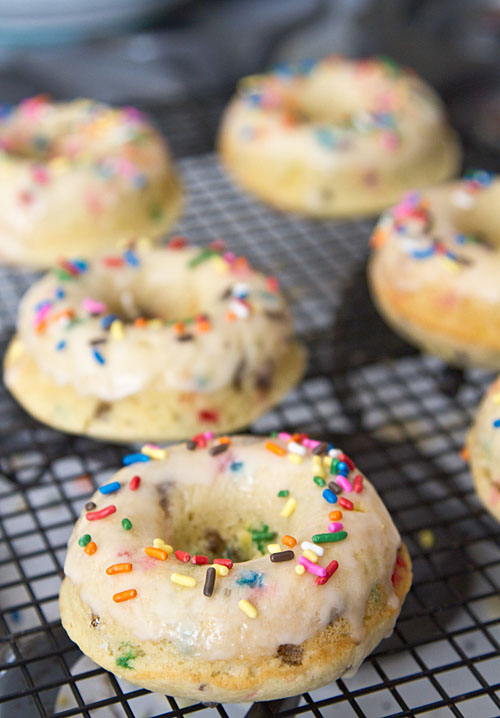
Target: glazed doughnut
<point x="483" y="445"/>
<point x="77" y="177"/>
<point x="337" y="138"/>
<point x="159" y="343"/>
<point x="435" y="267"/>
<point x="246" y="569"/>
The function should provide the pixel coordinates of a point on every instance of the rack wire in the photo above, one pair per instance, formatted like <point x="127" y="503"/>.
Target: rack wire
<point x="400" y="414"/>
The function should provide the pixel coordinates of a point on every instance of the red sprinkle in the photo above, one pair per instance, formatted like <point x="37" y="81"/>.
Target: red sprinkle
<point x="113" y="261"/>
<point x="200" y="441"/>
<point x="177" y="243"/>
<point x="208" y="415"/>
<point x="135" y="482"/>
<point x="183" y="556"/>
<point x="345" y="503"/>
<point x="224" y="562"/>
<point x="346" y="460"/>
<point x="330" y="570"/>
<point x="396" y="578"/>
<point x="96" y="515"/>
<point x="198" y="560"/>
<point x="358" y="484"/>
<point x="218" y="245"/>
<point x="273" y="284"/>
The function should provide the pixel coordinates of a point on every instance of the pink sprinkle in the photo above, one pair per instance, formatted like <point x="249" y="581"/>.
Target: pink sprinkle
<point x="42" y="313"/>
<point x="208" y="435"/>
<point x="343" y="482"/>
<point x="92" y="306"/>
<point x="230" y="257"/>
<point x="40" y="174"/>
<point x="284" y="436"/>
<point x="311" y="443"/>
<point x="312" y="567"/>
<point x="335" y="526"/>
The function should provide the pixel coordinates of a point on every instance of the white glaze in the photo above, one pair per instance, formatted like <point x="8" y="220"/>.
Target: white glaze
<point x="291" y="608"/>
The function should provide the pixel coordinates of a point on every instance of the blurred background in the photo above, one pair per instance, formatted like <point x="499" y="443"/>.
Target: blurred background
<point x="164" y="54"/>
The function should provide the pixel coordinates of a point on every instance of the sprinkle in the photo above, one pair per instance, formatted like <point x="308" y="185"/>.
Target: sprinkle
<point x="496" y="423"/>
<point x="284" y="436"/>
<point x="295" y="458"/>
<point x="218" y="449"/>
<point x="333" y="486"/>
<point x="311" y="556"/>
<point x="84" y="540"/>
<point x="135" y="482"/>
<point x="90" y="506"/>
<point x="160" y="543"/>
<point x="283" y="493"/>
<point x="289" y="540"/>
<point x="110" y="488"/>
<point x="247" y="608"/>
<point x="191" y="445"/>
<point x="308" y="546"/>
<point x="347" y="460"/>
<point x="288" y="508"/>
<point x="202" y="256"/>
<point x="329" y="538"/>
<point x="342" y="468"/>
<point x="157" y="553"/>
<point x="311" y="567"/>
<point x="127" y="524"/>
<point x="280" y="556"/>
<point x="131" y="258"/>
<point x="335" y="515"/>
<point x="183" y="556"/>
<point x="319" y="481"/>
<point x="278" y="450"/>
<point x="116" y="330"/>
<point x="224" y="562"/>
<point x="134" y="459"/>
<point x="220" y="569"/>
<point x="330" y="570"/>
<point x="119" y="568"/>
<point x="273" y="547"/>
<point x="90" y="548"/>
<point x="61" y="345"/>
<point x="300" y="570"/>
<point x="96" y="515"/>
<point x="319" y="449"/>
<point x="297" y="448"/>
<point x="154" y="452"/>
<point x="124" y="595"/>
<point x="346" y="504"/>
<point x="358" y="484"/>
<point x="208" y="588"/>
<point x="329" y="496"/>
<point x="208" y="415"/>
<point x="199" y="560"/>
<point x="98" y="356"/>
<point x="335" y="526"/>
<point x="344" y="483"/>
<point x="93" y="307"/>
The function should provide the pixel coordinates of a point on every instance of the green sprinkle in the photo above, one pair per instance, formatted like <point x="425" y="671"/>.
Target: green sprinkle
<point x="84" y="540"/>
<point x="273" y="434"/>
<point x="330" y="538"/>
<point x="128" y="655"/>
<point x="283" y="493"/>
<point x="318" y="480"/>
<point x="261" y="537"/>
<point x="127" y="524"/>
<point x="202" y="256"/>
<point x="62" y="274"/>
<point x="334" y="465"/>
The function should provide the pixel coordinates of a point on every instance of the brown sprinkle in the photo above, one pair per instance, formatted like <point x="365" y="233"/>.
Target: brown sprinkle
<point x="208" y="588"/>
<point x="218" y="449"/>
<point x="280" y="556"/>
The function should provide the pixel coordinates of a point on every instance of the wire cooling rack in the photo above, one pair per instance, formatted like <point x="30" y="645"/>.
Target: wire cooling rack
<point x="401" y="415"/>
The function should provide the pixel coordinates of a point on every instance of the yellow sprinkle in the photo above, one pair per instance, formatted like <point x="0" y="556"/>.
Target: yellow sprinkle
<point x="220" y="569"/>
<point x="426" y="538"/>
<point x="327" y="461"/>
<point x="220" y="264"/>
<point x="182" y="580"/>
<point x="16" y="350"/>
<point x="311" y="555"/>
<point x="154" y="452"/>
<point x="295" y="458"/>
<point x="116" y="330"/>
<point x="319" y="470"/>
<point x="451" y="265"/>
<point x="496" y="398"/>
<point x="160" y="543"/>
<point x="317" y="459"/>
<point x="144" y="243"/>
<point x="299" y="570"/>
<point x="288" y="508"/>
<point x="247" y="608"/>
<point x="273" y="547"/>
<point x="155" y="324"/>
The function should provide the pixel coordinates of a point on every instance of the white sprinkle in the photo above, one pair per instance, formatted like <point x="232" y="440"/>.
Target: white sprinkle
<point x="319" y="550"/>
<point x="239" y="309"/>
<point x="464" y="200"/>
<point x="296" y="448"/>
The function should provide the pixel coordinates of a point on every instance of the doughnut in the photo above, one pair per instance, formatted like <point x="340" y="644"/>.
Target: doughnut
<point x="336" y="138"/>
<point x="156" y="343"/>
<point x="234" y="569"/>
<point x="434" y="270"/>
<point x="77" y="177"/>
<point x="483" y="450"/>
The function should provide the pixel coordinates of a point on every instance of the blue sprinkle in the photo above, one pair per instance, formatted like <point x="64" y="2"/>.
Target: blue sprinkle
<point x="61" y="345"/>
<point x="98" y="356"/>
<point x="250" y="578"/>
<point x="325" y="137"/>
<point x="254" y="98"/>
<point x="342" y="468"/>
<point x="236" y="466"/>
<point x="496" y="423"/>
<point x="108" y="320"/>
<point x="131" y="258"/>
<point x="451" y="255"/>
<point x="329" y="496"/>
<point x="80" y="264"/>
<point x="110" y="488"/>
<point x="134" y="459"/>
<point x="422" y="253"/>
<point x="460" y="239"/>
<point x="59" y="293"/>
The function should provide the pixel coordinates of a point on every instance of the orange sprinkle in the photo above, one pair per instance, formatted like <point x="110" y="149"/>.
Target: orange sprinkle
<point x="230" y="316"/>
<point x="41" y="327"/>
<point x="119" y="568"/>
<point x="204" y="326"/>
<point x="70" y="313"/>
<point x="225" y="440"/>
<point x="179" y="327"/>
<point x="158" y="553"/>
<point x="125" y="595"/>
<point x="335" y="515"/>
<point x="278" y="450"/>
<point x="288" y="540"/>
<point x="90" y="548"/>
<point x="378" y="239"/>
<point x="465" y="454"/>
<point x="140" y="322"/>
<point x="240" y="264"/>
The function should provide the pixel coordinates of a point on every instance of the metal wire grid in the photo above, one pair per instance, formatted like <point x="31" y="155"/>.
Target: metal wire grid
<point x="372" y="393"/>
